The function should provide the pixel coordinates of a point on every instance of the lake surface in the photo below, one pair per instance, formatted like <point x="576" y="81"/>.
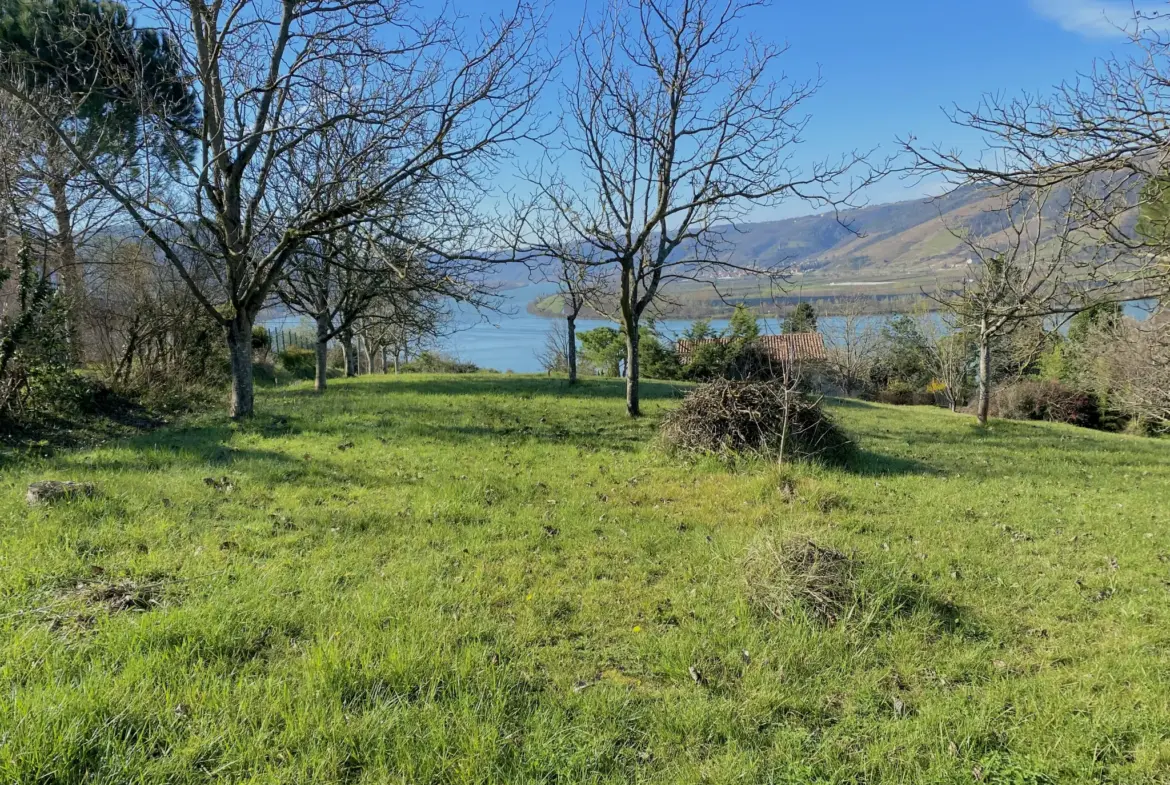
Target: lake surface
<point x="512" y="340"/>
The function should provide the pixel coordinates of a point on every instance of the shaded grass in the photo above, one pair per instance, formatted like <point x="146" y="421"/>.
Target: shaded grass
<point x="501" y="580"/>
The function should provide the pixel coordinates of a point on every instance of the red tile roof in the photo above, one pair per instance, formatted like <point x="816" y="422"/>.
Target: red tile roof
<point x="806" y="347"/>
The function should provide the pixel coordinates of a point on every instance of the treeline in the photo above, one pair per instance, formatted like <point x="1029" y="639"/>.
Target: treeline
<point x="1096" y="368"/>
<point x="162" y="184"/>
<point x="732" y="353"/>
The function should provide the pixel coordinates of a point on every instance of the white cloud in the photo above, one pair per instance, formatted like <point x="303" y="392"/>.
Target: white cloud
<point x="1095" y="18"/>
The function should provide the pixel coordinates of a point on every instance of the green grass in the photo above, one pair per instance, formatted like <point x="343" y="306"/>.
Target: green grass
<point x="504" y="580"/>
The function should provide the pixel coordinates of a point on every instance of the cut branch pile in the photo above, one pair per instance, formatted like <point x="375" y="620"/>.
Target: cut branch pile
<point x="730" y="418"/>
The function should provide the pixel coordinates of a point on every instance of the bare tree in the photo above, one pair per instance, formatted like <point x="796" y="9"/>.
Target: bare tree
<point x="554" y="354"/>
<point x="334" y="281"/>
<point x="853" y="343"/>
<point x="948" y="352"/>
<point x="581" y="283"/>
<point x="678" y="128"/>
<point x="278" y="81"/>
<point x="143" y="327"/>
<point x="1131" y="363"/>
<point x="1105" y="135"/>
<point x="1038" y="265"/>
<point x="397" y="323"/>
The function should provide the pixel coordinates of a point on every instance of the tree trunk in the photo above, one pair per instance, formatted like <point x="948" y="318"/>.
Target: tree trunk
<point x="71" y="274"/>
<point x="633" y="403"/>
<point x="239" y="338"/>
<point x="984" y="404"/>
<point x="322" y="353"/>
<point x="350" y="353"/>
<point x="572" y="349"/>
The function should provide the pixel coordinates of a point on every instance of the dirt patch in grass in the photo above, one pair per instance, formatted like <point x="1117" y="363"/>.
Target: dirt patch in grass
<point x="122" y="596"/>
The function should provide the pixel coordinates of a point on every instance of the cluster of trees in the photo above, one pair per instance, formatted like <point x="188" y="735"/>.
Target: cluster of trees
<point x="335" y="157"/>
<point x="604" y="350"/>
<point x="1085" y="222"/>
<point x="170" y="180"/>
<point x="676" y="123"/>
<point x="176" y="179"/>
<point x="1096" y="367"/>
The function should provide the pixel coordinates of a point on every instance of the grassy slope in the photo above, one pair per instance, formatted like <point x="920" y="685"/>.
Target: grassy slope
<point x="420" y="607"/>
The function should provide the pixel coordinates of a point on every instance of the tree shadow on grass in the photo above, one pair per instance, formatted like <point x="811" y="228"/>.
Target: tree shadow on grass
<point x="871" y="464"/>
<point x="208" y="448"/>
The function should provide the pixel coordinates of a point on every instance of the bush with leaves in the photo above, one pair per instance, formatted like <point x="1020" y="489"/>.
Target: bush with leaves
<point x="297" y="362"/>
<point x="730" y="355"/>
<point x="901" y="356"/>
<point x="433" y="362"/>
<point x="261" y="343"/>
<point x="603" y="349"/>
<point x="657" y="358"/>
<point x="35" y="372"/>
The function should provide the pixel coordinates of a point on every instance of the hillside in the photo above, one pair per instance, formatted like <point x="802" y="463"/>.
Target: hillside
<point x="493" y="579"/>
<point x="889" y="253"/>
<point x="896" y="240"/>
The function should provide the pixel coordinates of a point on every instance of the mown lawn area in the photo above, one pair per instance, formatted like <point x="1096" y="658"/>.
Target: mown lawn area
<point x="493" y="579"/>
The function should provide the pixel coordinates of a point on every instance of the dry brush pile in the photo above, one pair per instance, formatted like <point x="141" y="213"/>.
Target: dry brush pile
<point x="800" y="573"/>
<point x="768" y="419"/>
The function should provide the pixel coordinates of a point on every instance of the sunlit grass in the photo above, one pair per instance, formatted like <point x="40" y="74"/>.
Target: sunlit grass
<point x="500" y="579"/>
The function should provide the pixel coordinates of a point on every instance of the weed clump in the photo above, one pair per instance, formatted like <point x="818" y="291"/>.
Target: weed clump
<point x="731" y="418"/>
<point x="802" y="574"/>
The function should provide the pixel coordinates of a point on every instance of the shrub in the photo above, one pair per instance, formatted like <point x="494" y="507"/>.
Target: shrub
<point x="728" y="418"/>
<point x="297" y="362"/>
<point x="657" y="360"/>
<point x="432" y="362"/>
<point x="36" y="378"/>
<point x="261" y="342"/>
<point x="799" y="573"/>
<point x="900" y="393"/>
<point x="1047" y="400"/>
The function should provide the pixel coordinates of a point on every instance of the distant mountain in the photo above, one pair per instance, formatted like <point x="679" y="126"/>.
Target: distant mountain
<point x="888" y="251"/>
<point x="900" y="240"/>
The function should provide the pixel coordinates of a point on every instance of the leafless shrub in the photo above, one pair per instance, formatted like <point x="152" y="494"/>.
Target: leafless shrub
<point x="1130" y="366"/>
<point x="769" y="418"/>
<point x="799" y="573"/>
<point x="1048" y="400"/>
<point x="554" y="355"/>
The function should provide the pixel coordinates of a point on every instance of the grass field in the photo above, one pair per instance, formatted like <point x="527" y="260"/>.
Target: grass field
<point x="495" y="579"/>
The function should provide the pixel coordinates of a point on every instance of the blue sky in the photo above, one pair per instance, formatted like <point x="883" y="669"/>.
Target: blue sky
<point x="891" y="66"/>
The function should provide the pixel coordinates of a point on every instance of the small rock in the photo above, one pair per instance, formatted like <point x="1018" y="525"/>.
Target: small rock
<point x="49" y="491"/>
